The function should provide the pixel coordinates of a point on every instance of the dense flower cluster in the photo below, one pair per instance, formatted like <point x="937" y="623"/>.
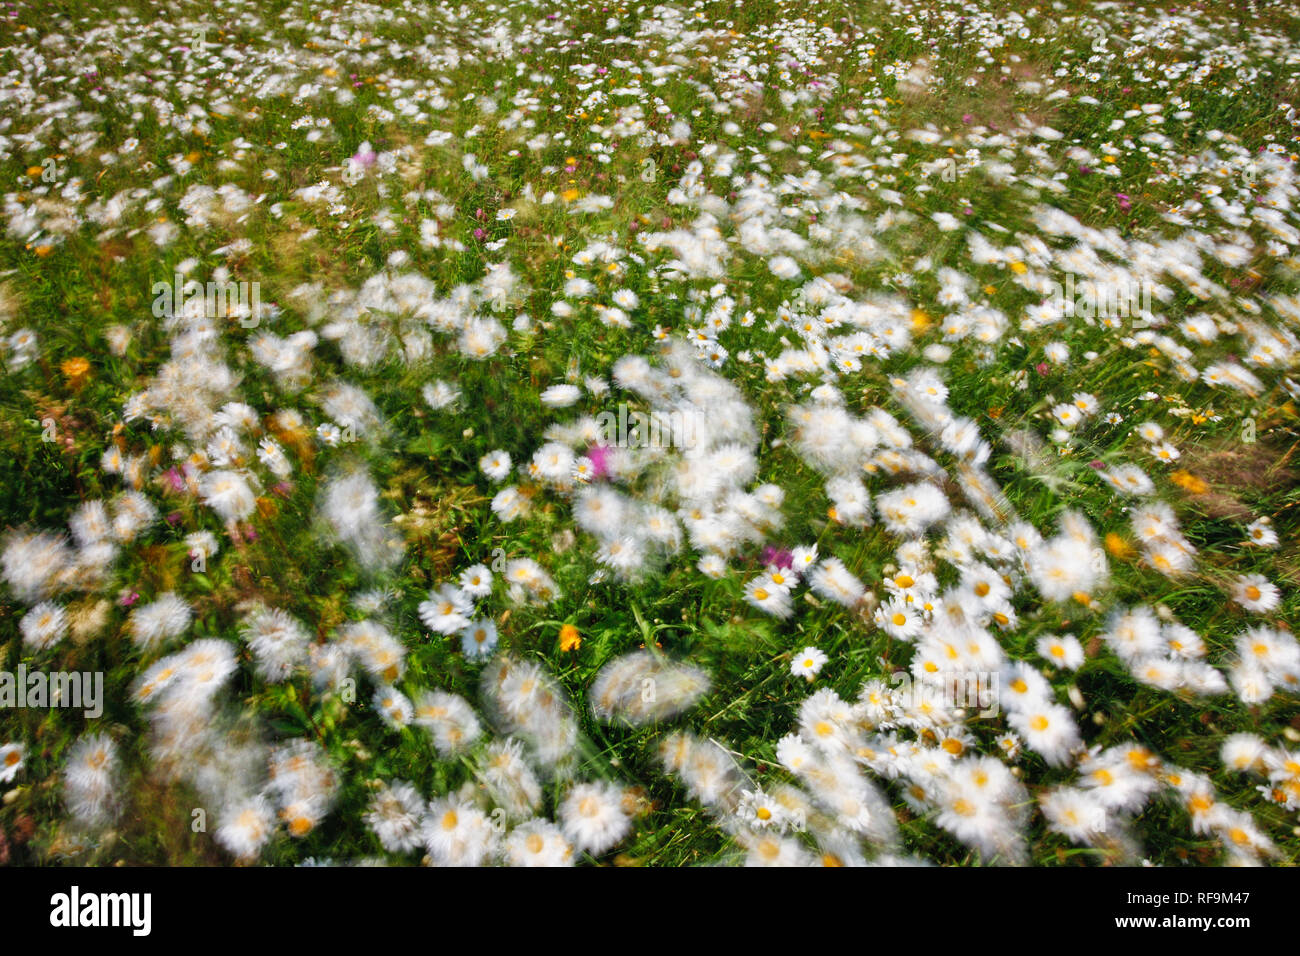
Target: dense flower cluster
<point x="554" y="430"/>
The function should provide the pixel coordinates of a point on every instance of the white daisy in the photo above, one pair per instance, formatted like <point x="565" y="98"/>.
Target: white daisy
<point x="807" y="663"/>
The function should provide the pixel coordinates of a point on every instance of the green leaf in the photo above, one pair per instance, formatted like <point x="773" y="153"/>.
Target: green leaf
<point x="430" y="444"/>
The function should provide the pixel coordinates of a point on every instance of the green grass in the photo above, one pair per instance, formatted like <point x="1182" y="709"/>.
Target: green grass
<point x="425" y="464"/>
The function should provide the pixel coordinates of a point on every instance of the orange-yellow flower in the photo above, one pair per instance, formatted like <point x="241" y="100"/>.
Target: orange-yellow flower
<point x="1189" y="482"/>
<point x="1117" y="546"/>
<point x="76" y="370"/>
<point x="570" y="639"/>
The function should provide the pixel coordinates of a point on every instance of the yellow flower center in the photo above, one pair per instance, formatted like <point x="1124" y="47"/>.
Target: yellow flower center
<point x="1140" y="758"/>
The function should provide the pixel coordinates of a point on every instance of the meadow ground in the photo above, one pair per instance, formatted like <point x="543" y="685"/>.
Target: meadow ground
<point x="541" y="433"/>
